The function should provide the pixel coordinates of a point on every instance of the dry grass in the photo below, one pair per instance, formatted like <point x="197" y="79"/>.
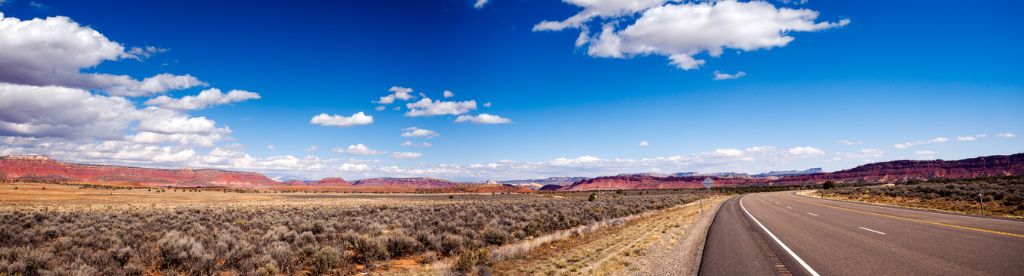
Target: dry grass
<point x="610" y="249"/>
<point x="1003" y="196"/>
<point x="62" y="229"/>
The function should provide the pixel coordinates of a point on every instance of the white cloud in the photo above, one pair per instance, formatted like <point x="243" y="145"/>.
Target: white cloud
<point x="797" y="151"/>
<point x="354" y="167"/>
<point x="359" y="118"/>
<point x="925" y="154"/>
<point x="206" y="98"/>
<point x="727" y="76"/>
<point x="54" y="50"/>
<point x="146" y="52"/>
<point x="681" y="31"/>
<point x="406" y="155"/>
<point x="479" y="4"/>
<point x="597" y="8"/>
<point x="873" y="152"/>
<point x="643" y="143"/>
<point x="411" y="144"/>
<point x="449" y="94"/>
<point x="482" y="118"/>
<point x="922" y="142"/>
<point x="582" y="160"/>
<point x="397" y="92"/>
<point x="360" y="149"/>
<point x="965" y="138"/>
<point x="419" y="132"/>
<point x="864" y="155"/>
<point x="848" y="142"/>
<point x="1006" y="135"/>
<point x="487" y="104"/>
<point x="271" y="147"/>
<point x="727" y="153"/>
<point x="51" y="111"/>
<point x="169" y="122"/>
<point x="428" y="107"/>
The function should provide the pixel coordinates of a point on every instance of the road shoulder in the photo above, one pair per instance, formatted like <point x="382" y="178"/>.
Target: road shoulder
<point x="667" y="242"/>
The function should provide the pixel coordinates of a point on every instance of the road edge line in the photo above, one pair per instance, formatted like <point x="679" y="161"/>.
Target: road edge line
<point x="790" y="251"/>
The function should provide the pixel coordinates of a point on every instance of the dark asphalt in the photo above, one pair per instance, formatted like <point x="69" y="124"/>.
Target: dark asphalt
<point x="842" y="238"/>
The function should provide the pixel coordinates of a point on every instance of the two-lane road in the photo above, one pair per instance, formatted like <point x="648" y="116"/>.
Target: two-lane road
<point x="783" y="233"/>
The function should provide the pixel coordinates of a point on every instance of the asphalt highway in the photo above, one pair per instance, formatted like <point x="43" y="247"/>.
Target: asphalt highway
<point x="787" y="234"/>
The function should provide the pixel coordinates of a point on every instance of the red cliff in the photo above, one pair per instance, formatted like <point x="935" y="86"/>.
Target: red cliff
<point x="41" y="168"/>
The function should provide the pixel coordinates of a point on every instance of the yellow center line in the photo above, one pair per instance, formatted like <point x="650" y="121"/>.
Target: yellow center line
<point x="920" y="220"/>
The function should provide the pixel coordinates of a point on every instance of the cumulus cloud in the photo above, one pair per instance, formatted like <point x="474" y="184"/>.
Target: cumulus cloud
<point x="428" y="107"/>
<point x="54" y="50"/>
<point x="449" y="94"/>
<point x="206" y="98"/>
<point x="406" y="155"/>
<point x="727" y="76"/>
<point x="397" y="92"/>
<point x="357" y="119"/>
<point x="965" y="138"/>
<point x="51" y="111"/>
<point x="72" y="113"/>
<point x="419" y="132"/>
<point x="359" y="149"/>
<point x="1006" y="135"/>
<point x="643" y="143"/>
<point x="482" y="118"/>
<point x="681" y="31"/>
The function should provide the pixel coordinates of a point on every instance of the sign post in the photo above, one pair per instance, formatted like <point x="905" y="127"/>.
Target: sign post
<point x="708" y="182"/>
<point x="981" y="204"/>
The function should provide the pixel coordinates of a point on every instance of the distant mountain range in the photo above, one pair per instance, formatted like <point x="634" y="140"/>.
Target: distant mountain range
<point x="537" y="184"/>
<point x="892" y="171"/>
<point x="42" y="169"/>
<point x="785" y="173"/>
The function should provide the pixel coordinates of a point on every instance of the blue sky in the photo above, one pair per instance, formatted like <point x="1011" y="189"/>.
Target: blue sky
<point x="875" y="78"/>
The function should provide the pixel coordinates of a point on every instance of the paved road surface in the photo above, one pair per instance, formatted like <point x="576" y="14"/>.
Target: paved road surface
<point x="817" y="236"/>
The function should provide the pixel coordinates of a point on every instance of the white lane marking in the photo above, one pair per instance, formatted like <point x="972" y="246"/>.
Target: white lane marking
<point x="813" y="214"/>
<point x="798" y="259"/>
<point x="871" y="230"/>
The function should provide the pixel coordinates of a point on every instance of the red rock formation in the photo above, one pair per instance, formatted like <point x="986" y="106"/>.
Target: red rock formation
<point x="41" y="168"/>
<point x="331" y="181"/>
<point x="893" y="171"/>
<point x="414" y="182"/>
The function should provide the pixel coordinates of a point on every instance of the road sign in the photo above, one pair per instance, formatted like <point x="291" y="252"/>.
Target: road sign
<point x="708" y="182"/>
